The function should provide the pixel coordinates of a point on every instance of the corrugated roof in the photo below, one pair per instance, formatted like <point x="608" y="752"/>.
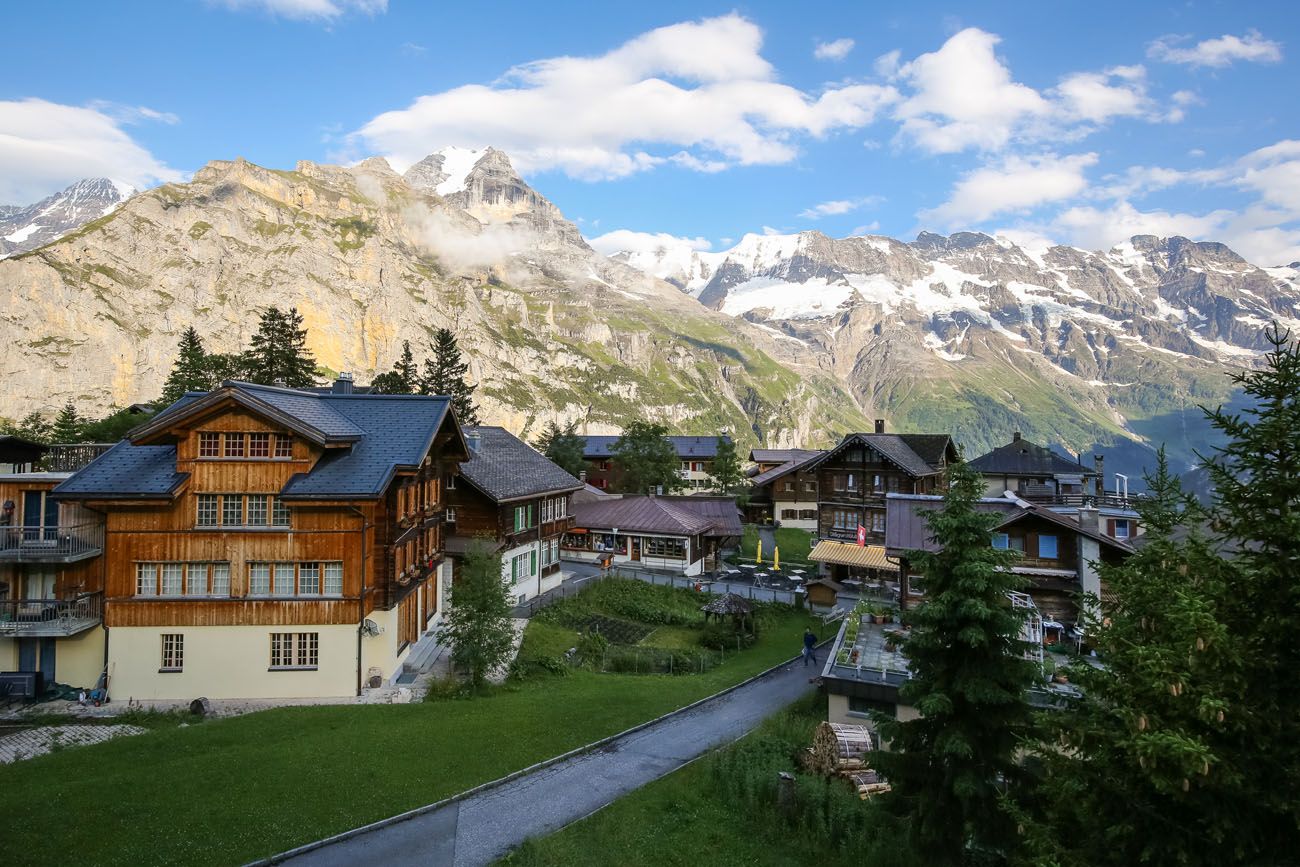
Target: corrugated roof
<point x="686" y="446"/>
<point x="849" y="554"/>
<point x="639" y="515"/>
<point x="126" y="471"/>
<point x="1023" y="458"/>
<point x="506" y="468"/>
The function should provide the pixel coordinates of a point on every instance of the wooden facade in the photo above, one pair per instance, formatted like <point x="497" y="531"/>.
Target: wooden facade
<point x="852" y="484"/>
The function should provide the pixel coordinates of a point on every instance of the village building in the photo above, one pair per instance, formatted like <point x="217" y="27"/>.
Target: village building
<point x="1037" y="474"/>
<point x="683" y="535"/>
<point x="784" y="492"/>
<point x="512" y="500"/>
<point x="265" y="542"/>
<point x="696" y="454"/>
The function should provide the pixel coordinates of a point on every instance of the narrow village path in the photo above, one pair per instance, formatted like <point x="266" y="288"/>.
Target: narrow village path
<point x="485" y="826"/>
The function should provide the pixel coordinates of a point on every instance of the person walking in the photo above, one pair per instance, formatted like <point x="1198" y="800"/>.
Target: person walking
<point x="809" y="647"/>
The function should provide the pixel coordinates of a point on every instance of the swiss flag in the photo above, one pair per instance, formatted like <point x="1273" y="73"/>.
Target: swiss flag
<point x="862" y="535"/>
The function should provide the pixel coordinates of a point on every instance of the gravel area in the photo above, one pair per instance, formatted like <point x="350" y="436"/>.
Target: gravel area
<point x="29" y="743"/>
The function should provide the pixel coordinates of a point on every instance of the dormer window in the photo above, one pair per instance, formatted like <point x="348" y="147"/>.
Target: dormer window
<point x="258" y="446"/>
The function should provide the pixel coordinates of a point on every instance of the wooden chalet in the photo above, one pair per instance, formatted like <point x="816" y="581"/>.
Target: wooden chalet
<point x="511" y="499"/>
<point x="674" y="534"/>
<point x="265" y="542"/>
<point x="695" y="452"/>
<point x="785" y="492"/>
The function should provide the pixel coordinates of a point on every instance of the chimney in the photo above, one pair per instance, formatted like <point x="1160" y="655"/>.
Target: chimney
<point x="880" y="425"/>
<point x="582" y="475"/>
<point x="1088" y="519"/>
<point x="473" y="439"/>
<point x="1015" y="437"/>
<point x="342" y="385"/>
<point x="279" y="382"/>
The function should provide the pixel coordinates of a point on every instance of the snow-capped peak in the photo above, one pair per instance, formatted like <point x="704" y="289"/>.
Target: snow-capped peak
<point x="457" y="163"/>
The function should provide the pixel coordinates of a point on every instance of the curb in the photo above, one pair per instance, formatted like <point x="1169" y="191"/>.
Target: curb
<point x="514" y="775"/>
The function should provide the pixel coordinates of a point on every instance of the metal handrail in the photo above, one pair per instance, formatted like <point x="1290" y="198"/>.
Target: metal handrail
<point x="55" y="539"/>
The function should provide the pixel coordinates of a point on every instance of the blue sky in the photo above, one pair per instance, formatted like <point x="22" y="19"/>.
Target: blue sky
<point x="1075" y="122"/>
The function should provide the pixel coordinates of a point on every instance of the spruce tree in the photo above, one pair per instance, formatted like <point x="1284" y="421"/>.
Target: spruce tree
<point x="478" y="622"/>
<point x="34" y="428"/>
<point x="1139" y="769"/>
<point x="444" y="374"/>
<point x="1256" y="513"/>
<point x="192" y="370"/>
<point x="278" y="351"/>
<point x="949" y="768"/>
<point x="647" y="459"/>
<point x="67" y="425"/>
<point x="563" y="447"/>
<point x="402" y="379"/>
<point x="725" y="471"/>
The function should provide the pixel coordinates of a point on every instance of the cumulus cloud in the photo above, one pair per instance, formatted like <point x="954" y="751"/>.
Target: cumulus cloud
<point x="835" y="50"/>
<point x="308" y="9"/>
<point x="836" y="207"/>
<point x="653" y="243"/>
<point x="696" y="94"/>
<point x="1217" y="53"/>
<point x="1016" y="184"/>
<point x="46" y="145"/>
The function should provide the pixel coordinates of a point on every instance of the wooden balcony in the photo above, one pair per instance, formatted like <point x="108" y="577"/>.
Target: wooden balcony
<point x="50" y="618"/>
<point x="70" y="457"/>
<point x="64" y="543"/>
<point x="1109" y="499"/>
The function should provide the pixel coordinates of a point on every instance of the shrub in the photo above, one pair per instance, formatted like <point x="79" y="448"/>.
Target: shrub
<point x="592" y="647"/>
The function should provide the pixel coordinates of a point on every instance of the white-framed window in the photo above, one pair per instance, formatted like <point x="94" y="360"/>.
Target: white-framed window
<point x="333" y="579"/>
<point x="546" y="510"/>
<point x="172" y="578"/>
<point x="146" y="579"/>
<point x="1122" y="528"/>
<point x="257" y="512"/>
<point x="182" y="579"/>
<point x="173" y="652"/>
<point x="232" y="510"/>
<point x="259" y="579"/>
<point x="196" y="579"/>
<point x="282" y="579"/>
<point x="279" y="513"/>
<point x="523" y="517"/>
<point x="523" y="566"/>
<point x="209" y="445"/>
<point x="233" y="445"/>
<point x="283" y="446"/>
<point x="451" y="482"/>
<point x="451" y="516"/>
<point x="220" y="579"/>
<point x="561" y="507"/>
<point x="287" y="579"/>
<point x="290" y="650"/>
<point x="207" y="512"/>
<point x="309" y="579"/>
<point x="259" y="445"/>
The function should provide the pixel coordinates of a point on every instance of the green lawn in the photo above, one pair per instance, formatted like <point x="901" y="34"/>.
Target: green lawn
<point x="720" y="812"/>
<point x="794" y="544"/>
<point x="227" y="791"/>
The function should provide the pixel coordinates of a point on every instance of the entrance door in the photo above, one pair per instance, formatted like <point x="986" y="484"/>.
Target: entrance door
<point x="47" y="659"/>
<point x="40" y="516"/>
<point x="636" y="547"/>
<point x="27" y="654"/>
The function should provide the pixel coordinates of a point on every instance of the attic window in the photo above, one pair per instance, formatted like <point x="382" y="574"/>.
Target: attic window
<point x="234" y="445"/>
<point x="259" y="445"/>
<point x="283" y="446"/>
<point x="209" y="445"/>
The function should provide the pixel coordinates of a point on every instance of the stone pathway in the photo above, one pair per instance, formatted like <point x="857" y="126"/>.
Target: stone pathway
<point x="478" y="829"/>
<point x="30" y="743"/>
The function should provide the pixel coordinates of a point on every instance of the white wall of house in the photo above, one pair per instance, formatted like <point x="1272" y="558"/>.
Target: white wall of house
<point x="780" y="507"/>
<point x="838" y="710"/>
<point x="523" y="578"/>
<point x="648" y="561"/>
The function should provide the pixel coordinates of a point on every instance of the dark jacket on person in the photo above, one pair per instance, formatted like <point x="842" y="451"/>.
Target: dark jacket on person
<point x="809" y="640"/>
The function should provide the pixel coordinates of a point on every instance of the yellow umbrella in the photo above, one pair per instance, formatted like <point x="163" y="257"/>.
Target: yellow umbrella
<point x="758" y="553"/>
<point x="776" y="559"/>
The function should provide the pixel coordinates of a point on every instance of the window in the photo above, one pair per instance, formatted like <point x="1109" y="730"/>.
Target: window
<point x="209" y="445"/>
<point x="309" y="579"/>
<point x="234" y="445"/>
<point x="807" y="514"/>
<point x="1017" y="543"/>
<point x="547" y="506"/>
<point x="859" y="706"/>
<point x="173" y="652"/>
<point x="196" y="579"/>
<point x="674" y="548"/>
<point x="852" y="482"/>
<point x="207" y="516"/>
<point x="171" y="579"/>
<point x="789" y="485"/>
<point x="523" y="517"/>
<point x="282" y="579"/>
<point x="146" y="579"/>
<point x="810" y="487"/>
<point x="295" y="649"/>
<point x="257" y="511"/>
<point x="220" y="579"/>
<point x="451" y="516"/>
<point x="1000" y="541"/>
<point x="451" y="482"/>
<point x="279" y="513"/>
<point x="1121" y="528"/>
<point x="232" y="510"/>
<point x="259" y="445"/>
<point x="333" y="579"/>
<point x="259" y="579"/>
<point x="877" y="522"/>
<point x="283" y="446"/>
<point x="520" y="568"/>
<point x="878" y="483"/>
<point x="1047" y="547"/>
<point x="789" y="514"/>
<point x="561" y="507"/>
<point x="842" y="520"/>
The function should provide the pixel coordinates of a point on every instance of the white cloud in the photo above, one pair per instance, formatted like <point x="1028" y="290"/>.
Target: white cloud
<point x="1096" y="97"/>
<point x="627" y="240"/>
<point x="866" y="229"/>
<point x="308" y="9"/>
<point x="45" y="146"/>
<point x="887" y="65"/>
<point x="697" y="94"/>
<point x="1017" y="184"/>
<point x="836" y="50"/>
<point x="839" y="206"/>
<point x="1217" y="53"/>
<point x="132" y="113"/>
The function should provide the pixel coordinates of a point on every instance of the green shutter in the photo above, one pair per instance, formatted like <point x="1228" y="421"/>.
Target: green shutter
<point x="530" y="516"/>
<point x="532" y="562"/>
<point x="514" y="568"/>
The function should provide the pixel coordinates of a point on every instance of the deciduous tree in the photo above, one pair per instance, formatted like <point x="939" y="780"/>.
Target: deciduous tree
<point x="726" y="473"/>
<point x="647" y="459"/>
<point x="563" y="447"/>
<point x="478" y="624"/>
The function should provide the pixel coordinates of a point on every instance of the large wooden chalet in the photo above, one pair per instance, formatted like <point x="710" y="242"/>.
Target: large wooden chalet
<point x="784" y="488"/>
<point x="513" y="500"/>
<point x="696" y="454"/>
<point x="270" y="542"/>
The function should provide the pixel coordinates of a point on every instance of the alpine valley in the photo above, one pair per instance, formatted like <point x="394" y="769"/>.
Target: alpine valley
<point x="783" y="339"/>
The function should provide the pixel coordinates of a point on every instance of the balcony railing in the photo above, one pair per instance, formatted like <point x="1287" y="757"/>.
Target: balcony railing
<point x="1109" y="499"/>
<point x="70" y="457"/>
<point x="62" y="543"/>
<point x="50" y="618"/>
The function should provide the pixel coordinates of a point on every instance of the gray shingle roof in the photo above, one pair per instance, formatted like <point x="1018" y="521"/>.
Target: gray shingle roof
<point x="317" y="410"/>
<point x="686" y="446"/>
<point x="785" y="469"/>
<point x="1021" y="457"/>
<point x="126" y="471"/>
<point x="901" y="449"/>
<point x="779" y="456"/>
<point x="507" y="468"/>
<point x="721" y="512"/>
<point x="639" y="515"/>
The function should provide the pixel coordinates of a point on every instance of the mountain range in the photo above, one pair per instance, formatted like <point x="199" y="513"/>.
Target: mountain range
<point x="26" y="228"/>
<point x="782" y="339"/>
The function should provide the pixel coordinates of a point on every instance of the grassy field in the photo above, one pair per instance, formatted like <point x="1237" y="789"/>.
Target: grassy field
<point x="794" y="544"/>
<point x="226" y="791"/>
<point x="721" y="812"/>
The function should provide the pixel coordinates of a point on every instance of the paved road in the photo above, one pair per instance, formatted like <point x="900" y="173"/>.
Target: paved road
<point x="485" y="826"/>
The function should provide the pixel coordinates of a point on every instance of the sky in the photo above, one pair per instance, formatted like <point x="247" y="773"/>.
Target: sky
<point x="695" y="123"/>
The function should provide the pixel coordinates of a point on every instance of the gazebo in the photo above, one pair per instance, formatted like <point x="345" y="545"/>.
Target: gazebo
<point x="732" y="605"/>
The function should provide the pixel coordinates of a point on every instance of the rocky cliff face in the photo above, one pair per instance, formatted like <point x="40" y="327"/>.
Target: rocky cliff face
<point x="552" y="330"/>
<point x="26" y="228"/>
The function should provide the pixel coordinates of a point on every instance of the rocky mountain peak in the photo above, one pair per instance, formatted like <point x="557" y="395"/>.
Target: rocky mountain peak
<point x="26" y="228"/>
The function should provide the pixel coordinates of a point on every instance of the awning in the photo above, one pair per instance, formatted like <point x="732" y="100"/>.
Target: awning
<point x="849" y="554"/>
<point x="574" y="531"/>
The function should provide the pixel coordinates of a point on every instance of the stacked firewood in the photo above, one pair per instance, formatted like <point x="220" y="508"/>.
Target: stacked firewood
<point x="844" y="751"/>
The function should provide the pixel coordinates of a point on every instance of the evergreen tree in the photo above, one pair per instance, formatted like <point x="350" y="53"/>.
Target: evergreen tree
<point x="1256" y="513"/>
<point x="67" y="425"/>
<point x="444" y="374"/>
<point x="647" y="459"/>
<point x="1136" y="767"/>
<point x="726" y="474"/>
<point x="402" y="379"/>
<point x="223" y="366"/>
<point x="969" y="677"/>
<point x="33" y="428"/>
<point x="478" y="623"/>
<point x="278" y="351"/>
<point x="562" y="447"/>
<point x="191" y="371"/>
<point x="113" y="426"/>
